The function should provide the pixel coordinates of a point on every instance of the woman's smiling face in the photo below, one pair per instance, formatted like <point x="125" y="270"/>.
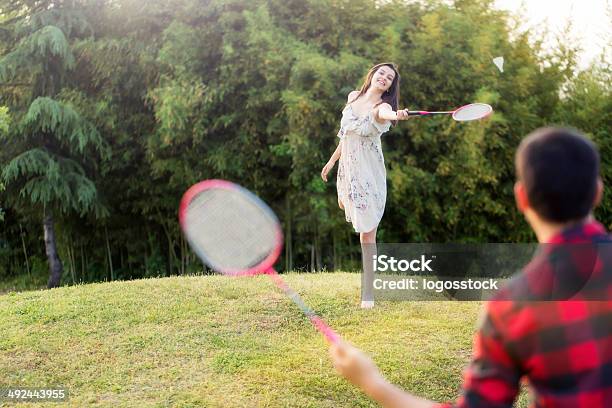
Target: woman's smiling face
<point x="383" y="78"/>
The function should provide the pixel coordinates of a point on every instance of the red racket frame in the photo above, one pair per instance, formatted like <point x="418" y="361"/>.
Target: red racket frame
<point x="265" y="266"/>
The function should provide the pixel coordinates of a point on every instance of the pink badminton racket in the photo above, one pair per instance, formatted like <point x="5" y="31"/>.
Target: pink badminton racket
<point x="473" y="111"/>
<point x="236" y="233"/>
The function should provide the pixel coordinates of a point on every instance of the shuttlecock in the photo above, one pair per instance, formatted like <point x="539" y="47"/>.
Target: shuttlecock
<point x="499" y="63"/>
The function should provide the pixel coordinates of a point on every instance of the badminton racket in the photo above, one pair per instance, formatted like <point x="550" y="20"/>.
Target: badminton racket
<point x="235" y="233"/>
<point x="473" y="111"/>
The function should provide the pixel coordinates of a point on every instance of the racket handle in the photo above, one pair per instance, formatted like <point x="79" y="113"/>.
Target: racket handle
<point x="427" y="113"/>
<point x="329" y="333"/>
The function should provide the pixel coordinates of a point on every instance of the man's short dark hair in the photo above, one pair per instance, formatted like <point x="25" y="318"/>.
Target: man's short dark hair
<point x="559" y="169"/>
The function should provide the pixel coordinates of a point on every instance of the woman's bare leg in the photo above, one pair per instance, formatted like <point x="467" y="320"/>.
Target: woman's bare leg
<point x="368" y="252"/>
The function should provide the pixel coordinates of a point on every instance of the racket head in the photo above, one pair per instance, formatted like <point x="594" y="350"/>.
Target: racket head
<point x="473" y="111"/>
<point x="230" y="229"/>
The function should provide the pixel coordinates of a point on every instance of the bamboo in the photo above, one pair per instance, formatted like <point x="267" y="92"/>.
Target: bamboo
<point x="183" y="255"/>
<point x="71" y="260"/>
<point x="318" y="250"/>
<point x="171" y="252"/>
<point x="288" y="237"/>
<point x="110" y="258"/>
<point x="25" y="251"/>
<point x="82" y="262"/>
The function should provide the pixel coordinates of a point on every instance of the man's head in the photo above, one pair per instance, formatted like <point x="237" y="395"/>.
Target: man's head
<point x="557" y="176"/>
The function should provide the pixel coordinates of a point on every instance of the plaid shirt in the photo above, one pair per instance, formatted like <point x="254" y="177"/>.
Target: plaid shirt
<point x="563" y="348"/>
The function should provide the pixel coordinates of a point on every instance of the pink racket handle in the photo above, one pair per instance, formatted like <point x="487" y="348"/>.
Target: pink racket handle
<point x="329" y="333"/>
<point x="324" y="329"/>
<point x="425" y="113"/>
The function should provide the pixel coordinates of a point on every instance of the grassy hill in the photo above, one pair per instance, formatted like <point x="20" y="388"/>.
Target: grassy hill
<point x="215" y="341"/>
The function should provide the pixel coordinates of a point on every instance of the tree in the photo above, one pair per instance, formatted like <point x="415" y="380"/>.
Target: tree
<point x="46" y="149"/>
<point x="252" y="92"/>
<point x="4" y="127"/>
<point x="587" y="105"/>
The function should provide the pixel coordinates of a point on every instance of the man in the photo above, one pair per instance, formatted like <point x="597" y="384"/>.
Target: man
<point x="552" y="323"/>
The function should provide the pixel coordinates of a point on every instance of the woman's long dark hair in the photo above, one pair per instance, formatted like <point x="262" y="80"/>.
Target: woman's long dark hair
<point x="391" y="95"/>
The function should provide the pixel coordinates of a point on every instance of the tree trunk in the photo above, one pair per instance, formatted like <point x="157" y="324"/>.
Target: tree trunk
<point x="336" y="261"/>
<point x="288" y="237"/>
<point x="71" y="260"/>
<point x="318" y="249"/>
<point x="352" y="258"/>
<point x="312" y="257"/>
<point x="82" y="263"/>
<point x="55" y="264"/>
<point x="171" y="252"/>
<point x="183" y="255"/>
<point x="25" y="251"/>
<point x="110" y="257"/>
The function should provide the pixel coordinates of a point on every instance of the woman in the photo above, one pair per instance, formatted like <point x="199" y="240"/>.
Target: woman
<point x="361" y="181"/>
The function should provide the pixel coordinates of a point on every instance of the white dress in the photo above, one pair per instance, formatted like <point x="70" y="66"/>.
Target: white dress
<point x="362" y="178"/>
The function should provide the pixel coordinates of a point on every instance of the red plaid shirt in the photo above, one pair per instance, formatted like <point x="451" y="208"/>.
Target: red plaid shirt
<point x="563" y="348"/>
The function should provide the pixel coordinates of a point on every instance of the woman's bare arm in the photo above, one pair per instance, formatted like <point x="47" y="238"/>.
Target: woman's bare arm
<point x="384" y="112"/>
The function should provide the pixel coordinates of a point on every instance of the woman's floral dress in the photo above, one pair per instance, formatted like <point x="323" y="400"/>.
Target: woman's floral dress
<point x="362" y="178"/>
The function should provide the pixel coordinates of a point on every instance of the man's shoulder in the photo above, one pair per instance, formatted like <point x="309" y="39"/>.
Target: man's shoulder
<point x="563" y="271"/>
<point x="520" y="286"/>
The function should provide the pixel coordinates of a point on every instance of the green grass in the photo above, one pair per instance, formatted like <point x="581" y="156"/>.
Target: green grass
<point x="215" y="341"/>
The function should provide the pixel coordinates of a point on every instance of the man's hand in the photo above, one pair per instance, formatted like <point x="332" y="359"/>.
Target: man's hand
<point x="359" y="369"/>
<point x="354" y="365"/>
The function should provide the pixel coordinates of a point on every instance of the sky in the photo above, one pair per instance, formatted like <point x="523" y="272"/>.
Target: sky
<point x="592" y="25"/>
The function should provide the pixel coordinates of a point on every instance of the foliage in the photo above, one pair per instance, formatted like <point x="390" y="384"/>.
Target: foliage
<point x="1" y="210"/>
<point x="119" y="106"/>
<point x="588" y="106"/>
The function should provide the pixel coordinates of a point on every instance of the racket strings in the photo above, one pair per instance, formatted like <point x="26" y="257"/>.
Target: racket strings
<point x="230" y="231"/>
<point x="472" y="112"/>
